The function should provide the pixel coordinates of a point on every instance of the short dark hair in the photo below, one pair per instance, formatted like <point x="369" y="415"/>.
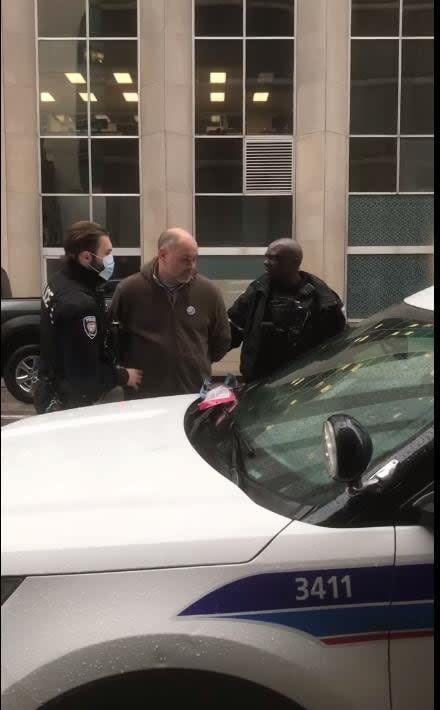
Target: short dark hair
<point x="83" y="236"/>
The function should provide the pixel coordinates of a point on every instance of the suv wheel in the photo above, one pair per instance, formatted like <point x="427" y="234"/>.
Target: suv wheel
<point x="21" y="372"/>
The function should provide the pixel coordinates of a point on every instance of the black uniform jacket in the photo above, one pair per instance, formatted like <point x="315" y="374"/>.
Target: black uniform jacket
<point x="275" y="327"/>
<point x="75" y="353"/>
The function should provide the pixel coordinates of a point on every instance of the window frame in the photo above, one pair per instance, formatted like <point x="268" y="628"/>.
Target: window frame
<point x="387" y="249"/>
<point x="55" y="252"/>
<point x="239" y="250"/>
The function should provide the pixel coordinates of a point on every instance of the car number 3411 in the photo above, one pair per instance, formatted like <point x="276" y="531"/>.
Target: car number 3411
<point x="335" y="587"/>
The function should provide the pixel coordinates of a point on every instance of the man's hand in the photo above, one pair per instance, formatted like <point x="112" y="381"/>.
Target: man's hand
<point x="134" y="378"/>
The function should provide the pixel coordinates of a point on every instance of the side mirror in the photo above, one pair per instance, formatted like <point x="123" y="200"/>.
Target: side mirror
<point x="424" y="507"/>
<point x="347" y="446"/>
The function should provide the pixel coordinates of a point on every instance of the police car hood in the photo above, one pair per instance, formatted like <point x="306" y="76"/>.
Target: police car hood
<point x="117" y="487"/>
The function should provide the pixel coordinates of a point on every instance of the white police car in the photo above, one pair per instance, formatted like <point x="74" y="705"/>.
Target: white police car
<point x="281" y="556"/>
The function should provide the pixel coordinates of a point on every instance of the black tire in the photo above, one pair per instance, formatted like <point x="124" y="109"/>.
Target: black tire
<point x="20" y="363"/>
<point x="164" y="690"/>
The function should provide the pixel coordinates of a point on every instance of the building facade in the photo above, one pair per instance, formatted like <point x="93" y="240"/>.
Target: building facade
<point x="239" y="120"/>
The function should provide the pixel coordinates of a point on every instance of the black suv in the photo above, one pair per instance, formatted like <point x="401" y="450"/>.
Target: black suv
<point x="20" y="339"/>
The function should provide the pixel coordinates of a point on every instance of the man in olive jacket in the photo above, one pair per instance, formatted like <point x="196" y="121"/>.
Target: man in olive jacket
<point x="172" y="321"/>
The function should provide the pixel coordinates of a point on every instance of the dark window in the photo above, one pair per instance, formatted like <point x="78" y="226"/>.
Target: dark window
<point x="374" y="86"/>
<point x="373" y="164"/>
<point x="376" y="281"/>
<point x="271" y="18"/>
<point x="399" y="220"/>
<point x="219" y="18"/>
<point x="64" y="165"/>
<point x="114" y="87"/>
<point x="242" y="221"/>
<point x="59" y="213"/>
<point x="230" y="267"/>
<point x="63" y="87"/>
<point x="115" y="165"/>
<point x="219" y="86"/>
<point x="417" y="86"/>
<point x="61" y="19"/>
<point x="379" y="18"/>
<point x="416" y="165"/>
<point x="126" y="266"/>
<point x="219" y="165"/>
<point x="117" y="18"/>
<point x="269" y="86"/>
<point x="120" y="215"/>
<point x="52" y="266"/>
<point x="418" y="18"/>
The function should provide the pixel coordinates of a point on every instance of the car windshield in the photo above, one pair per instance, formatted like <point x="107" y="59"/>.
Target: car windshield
<point x="380" y="372"/>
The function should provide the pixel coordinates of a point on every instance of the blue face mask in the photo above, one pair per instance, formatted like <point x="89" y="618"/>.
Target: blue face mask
<point x="109" y="266"/>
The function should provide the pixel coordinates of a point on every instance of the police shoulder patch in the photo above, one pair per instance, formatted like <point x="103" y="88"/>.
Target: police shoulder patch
<point x="90" y="326"/>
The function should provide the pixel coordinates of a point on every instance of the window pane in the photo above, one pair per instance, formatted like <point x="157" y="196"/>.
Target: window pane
<point x="375" y="19"/>
<point x="64" y="165"/>
<point x="120" y="215"/>
<point x="61" y="19"/>
<point x="52" y="266"/>
<point x="219" y="18"/>
<point x="242" y="221"/>
<point x="62" y="79"/>
<point x="269" y="86"/>
<point x="59" y="213"/>
<point x="417" y="86"/>
<point x="219" y="165"/>
<point x="219" y="86"/>
<point x="117" y="18"/>
<point x="230" y="267"/>
<point x="126" y="266"/>
<point x="374" y="86"/>
<point x="115" y="165"/>
<point x="376" y="281"/>
<point x="114" y="87"/>
<point x="418" y="18"/>
<point x="416" y="165"/>
<point x="389" y="220"/>
<point x="373" y="164"/>
<point x="271" y="18"/>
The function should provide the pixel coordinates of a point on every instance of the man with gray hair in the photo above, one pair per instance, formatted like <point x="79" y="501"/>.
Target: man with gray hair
<point x="173" y="321"/>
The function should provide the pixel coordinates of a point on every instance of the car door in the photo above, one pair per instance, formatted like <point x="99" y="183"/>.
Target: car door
<point x="411" y="638"/>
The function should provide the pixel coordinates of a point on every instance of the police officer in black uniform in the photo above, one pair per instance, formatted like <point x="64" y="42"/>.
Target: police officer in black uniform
<point x="283" y="313"/>
<point x="77" y="363"/>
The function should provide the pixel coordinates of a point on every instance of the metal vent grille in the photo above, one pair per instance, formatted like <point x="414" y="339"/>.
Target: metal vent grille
<point x="269" y="166"/>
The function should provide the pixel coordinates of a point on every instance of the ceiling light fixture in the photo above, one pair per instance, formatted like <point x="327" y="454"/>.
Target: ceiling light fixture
<point x="260" y="96"/>
<point x="217" y="77"/>
<point x="130" y="96"/>
<point x="217" y="96"/>
<point x="123" y="77"/>
<point x="85" y="96"/>
<point x="46" y="97"/>
<point x="75" y="78"/>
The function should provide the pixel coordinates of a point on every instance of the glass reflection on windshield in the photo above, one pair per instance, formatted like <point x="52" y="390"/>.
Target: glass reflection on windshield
<point x="380" y="373"/>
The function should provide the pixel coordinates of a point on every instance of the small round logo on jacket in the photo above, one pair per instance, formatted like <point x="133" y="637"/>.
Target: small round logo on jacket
<point x="191" y="310"/>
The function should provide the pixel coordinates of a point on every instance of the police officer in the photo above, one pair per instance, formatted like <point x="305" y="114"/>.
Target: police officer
<point x="77" y="366"/>
<point x="283" y="313"/>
